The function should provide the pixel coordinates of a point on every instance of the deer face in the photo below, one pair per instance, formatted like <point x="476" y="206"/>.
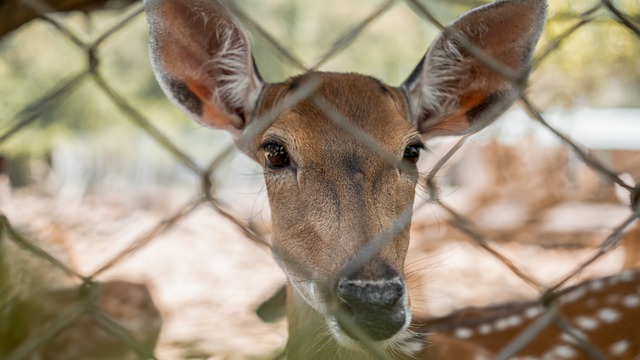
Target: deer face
<point x="339" y="232"/>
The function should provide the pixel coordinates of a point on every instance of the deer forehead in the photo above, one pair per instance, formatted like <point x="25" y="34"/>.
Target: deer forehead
<point x="316" y="126"/>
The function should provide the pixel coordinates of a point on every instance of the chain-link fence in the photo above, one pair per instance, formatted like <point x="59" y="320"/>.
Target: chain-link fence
<point x="42" y="317"/>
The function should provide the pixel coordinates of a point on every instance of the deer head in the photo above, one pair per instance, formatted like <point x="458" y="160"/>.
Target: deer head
<point x="339" y="151"/>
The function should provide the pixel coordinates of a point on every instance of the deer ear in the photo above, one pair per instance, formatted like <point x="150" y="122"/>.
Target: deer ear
<point x="451" y="92"/>
<point x="202" y="60"/>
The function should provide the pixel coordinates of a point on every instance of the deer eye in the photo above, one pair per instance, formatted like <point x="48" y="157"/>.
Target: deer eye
<point x="276" y="156"/>
<point x="412" y="153"/>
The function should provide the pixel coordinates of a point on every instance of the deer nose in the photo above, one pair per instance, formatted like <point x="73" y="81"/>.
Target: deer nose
<point x="375" y="307"/>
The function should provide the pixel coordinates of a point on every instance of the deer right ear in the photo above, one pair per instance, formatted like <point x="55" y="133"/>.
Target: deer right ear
<point x="452" y="92"/>
<point x="202" y="60"/>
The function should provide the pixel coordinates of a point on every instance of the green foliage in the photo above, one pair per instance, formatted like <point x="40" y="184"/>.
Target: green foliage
<point x="597" y="65"/>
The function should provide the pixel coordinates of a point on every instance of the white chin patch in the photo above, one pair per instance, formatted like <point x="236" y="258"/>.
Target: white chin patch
<point x="400" y="341"/>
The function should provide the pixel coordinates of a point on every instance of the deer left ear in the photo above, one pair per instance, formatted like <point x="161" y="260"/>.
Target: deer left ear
<point x="202" y="59"/>
<point x="451" y="92"/>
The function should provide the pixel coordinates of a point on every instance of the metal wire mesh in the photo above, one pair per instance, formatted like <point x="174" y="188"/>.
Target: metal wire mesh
<point x="205" y="196"/>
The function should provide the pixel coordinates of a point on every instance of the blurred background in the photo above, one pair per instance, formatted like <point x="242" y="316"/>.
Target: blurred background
<point x="100" y="171"/>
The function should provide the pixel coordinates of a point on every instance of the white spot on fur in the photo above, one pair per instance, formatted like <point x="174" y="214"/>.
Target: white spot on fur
<point x="619" y="347"/>
<point x="597" y="285"/>
<point x="533" y="312"/>
<point x="563" y="352"/>
<point x="485" y="329"/>
<point x="608" y="315"/>
<point x="501" y="324"/>
<point x="463" y="333"/>
<point x="573" y="295"/>
<point x="507" y="322"/>
<point x="481" y="357"/>
<point x="586" y="323"/>
<point x="631" y="301"/>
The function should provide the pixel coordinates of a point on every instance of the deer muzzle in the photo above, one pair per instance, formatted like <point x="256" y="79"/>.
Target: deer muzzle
<point x="372" y="309"/>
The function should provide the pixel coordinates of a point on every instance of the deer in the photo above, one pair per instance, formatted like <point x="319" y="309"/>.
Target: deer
<point x="339" y="152"/>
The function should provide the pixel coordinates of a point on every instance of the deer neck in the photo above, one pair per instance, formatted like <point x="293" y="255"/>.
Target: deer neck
<point x="309" y="337"/>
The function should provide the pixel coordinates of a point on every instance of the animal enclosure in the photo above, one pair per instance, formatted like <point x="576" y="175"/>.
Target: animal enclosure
<point x="107" y="184"/>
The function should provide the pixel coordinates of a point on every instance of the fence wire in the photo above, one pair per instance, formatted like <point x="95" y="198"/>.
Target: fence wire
<point x="91" y="290"/>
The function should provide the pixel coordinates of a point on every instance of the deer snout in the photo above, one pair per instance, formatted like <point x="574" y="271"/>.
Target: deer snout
<point x="376" y="308"/>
